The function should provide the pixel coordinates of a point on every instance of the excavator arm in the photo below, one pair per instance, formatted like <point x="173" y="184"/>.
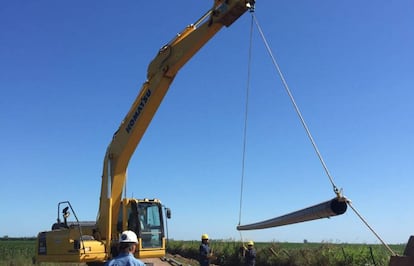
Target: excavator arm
<point x="161" y="72"/>
<point x="92" y="243"/>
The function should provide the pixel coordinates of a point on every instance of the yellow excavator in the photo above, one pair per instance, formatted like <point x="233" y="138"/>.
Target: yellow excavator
<point x="95" y="242"/>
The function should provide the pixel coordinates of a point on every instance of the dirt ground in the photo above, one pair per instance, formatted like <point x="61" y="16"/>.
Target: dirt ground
<point x="169" y="260"/>
<point x="155" y="262"/>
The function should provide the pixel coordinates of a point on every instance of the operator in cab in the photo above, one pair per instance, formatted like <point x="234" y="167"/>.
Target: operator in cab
<point x="127" y="245"/>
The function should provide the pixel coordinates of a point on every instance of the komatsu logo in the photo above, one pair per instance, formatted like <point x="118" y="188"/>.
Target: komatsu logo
<point x="137" y="113"/>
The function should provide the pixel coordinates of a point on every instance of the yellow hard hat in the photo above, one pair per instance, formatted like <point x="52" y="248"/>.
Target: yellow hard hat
<point x="250" y="243"/>
<point x="204" y="236"/>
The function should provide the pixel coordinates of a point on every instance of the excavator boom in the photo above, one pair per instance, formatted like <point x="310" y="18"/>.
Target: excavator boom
<point x="94" y="242"/>
<point x="161" y="72"/>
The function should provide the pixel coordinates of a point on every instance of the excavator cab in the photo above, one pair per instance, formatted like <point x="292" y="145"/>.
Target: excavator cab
<point x="145" y="218"/>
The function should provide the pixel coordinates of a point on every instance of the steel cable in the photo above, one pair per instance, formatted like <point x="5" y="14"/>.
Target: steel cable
<point x="245" y="118"/>
<point x="315" y="147"/>
<point x="337" y="192"/>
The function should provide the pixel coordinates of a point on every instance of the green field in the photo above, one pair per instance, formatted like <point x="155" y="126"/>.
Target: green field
<point x="17" y="252"/>
<point x="292" y="254"/>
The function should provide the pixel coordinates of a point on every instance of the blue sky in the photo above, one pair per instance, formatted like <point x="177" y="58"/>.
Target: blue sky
<point x="70" y="70"/>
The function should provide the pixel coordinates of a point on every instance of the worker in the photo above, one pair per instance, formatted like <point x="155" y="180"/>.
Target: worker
<point x="205" y="252"/>
<point x="250" y="254"/>
<point x="127" y="245"/>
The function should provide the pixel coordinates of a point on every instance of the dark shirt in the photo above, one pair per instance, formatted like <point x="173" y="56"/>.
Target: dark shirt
<point x="250" y="257"/>
<point x="204" y="253"/>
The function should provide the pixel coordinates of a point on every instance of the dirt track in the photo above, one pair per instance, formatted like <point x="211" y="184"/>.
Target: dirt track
<point x="169" y="260"/>
<point x="156" y="262"/>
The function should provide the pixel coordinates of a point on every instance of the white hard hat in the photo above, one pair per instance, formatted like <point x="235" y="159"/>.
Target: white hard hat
<point x="128" y="237"/>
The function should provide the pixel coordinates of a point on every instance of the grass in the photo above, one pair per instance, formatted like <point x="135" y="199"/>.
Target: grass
<point x="292" y="254"/>
<point x="19" y="252"/>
